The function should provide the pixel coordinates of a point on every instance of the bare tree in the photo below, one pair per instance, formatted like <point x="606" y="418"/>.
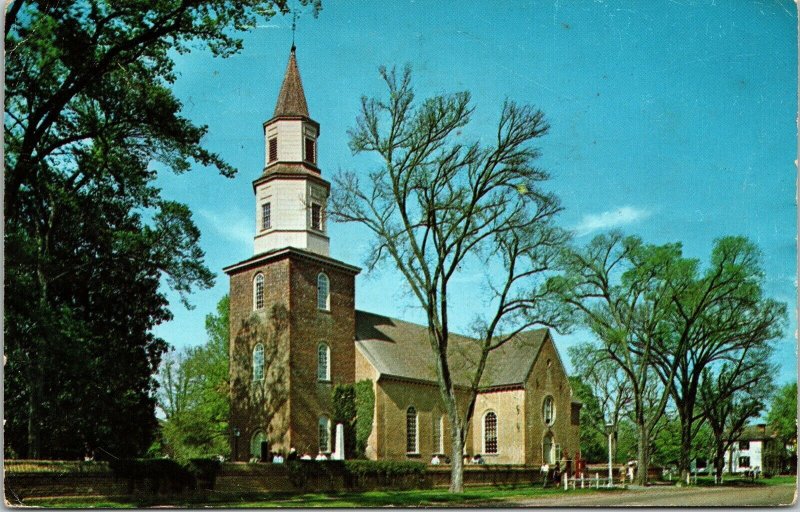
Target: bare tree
<point x="437" y="204"/>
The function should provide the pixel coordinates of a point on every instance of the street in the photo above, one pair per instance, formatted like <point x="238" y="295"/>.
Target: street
<point x="783" y="494"/>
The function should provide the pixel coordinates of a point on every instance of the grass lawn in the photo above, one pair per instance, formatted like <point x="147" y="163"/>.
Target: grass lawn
<point x="472" y="496"/>
<point x="738" y="481"/>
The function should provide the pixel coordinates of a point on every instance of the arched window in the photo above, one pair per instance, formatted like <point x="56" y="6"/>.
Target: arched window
<point x="324" y="434"/>
<point x="438" y="438"/>
<point x="258" y="362"/>
<point x="490" y="433"/>
<point x="323" y="292"/>
<point x="411" y="431"/>
<point x="548" y="457"/>
<point x="323" y="362"/>
<point x="258" y="291"/>
<point x="548" y="410"/>
<point x="256" y="444"/>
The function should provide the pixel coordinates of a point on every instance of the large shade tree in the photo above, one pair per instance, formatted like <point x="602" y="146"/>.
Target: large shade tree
<point x="439" y="205"/>
<point x="623" y="291"/>
<point x="723" y="314"/>
<point x="89" y="238"/>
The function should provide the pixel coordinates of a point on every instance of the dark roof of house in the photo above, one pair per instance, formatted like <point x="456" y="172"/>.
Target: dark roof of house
<point x="402" y="350"/>
<point x="756" y="433"/>
<point x="291" y="99"/>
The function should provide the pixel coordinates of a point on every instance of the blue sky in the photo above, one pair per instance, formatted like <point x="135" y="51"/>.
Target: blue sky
<point x="672" y="120"/>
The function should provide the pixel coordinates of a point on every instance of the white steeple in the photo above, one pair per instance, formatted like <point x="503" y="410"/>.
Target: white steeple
<point x="291" y="196"/>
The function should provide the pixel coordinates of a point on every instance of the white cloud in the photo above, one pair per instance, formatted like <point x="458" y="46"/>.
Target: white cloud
<point x="232" y="226"/>
<point x="610" y="219"/>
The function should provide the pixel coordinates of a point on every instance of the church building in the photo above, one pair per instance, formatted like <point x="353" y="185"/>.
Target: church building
<point x="295" y="334"/>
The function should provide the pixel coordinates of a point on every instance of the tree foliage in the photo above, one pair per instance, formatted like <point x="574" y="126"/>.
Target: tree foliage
<point x="194" y="394"/>
<point x="782" y="415"/>
<point x="88" y="112"/>
<point x="439" y="203"/>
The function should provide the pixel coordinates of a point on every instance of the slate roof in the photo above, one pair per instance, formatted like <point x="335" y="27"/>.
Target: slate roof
<point x="757" y="432"/>
<point x="401" y="349"/>
<point x="291" y="99"/>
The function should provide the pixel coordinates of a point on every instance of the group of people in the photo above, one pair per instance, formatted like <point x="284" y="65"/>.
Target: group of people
<point x="475" y="459"/>
<point x="279" y="458"/>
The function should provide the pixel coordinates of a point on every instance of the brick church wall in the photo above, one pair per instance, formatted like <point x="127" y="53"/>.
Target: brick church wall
<point x="552" y="381"/>
<point x="311" y="326"/>
<point x="248" y="410"/>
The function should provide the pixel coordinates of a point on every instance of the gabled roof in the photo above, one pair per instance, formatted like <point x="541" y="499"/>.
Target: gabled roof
<point x="401" y="349"/>
<point x="757" y="432"/>
<point x="291" y="99"/>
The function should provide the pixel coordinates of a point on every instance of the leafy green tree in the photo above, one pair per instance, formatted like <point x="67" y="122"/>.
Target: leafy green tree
<point x="731" y="393"/>
<point x="721" y="314"/>
<point x="782" y="415"/>
<point x="438" y="204"/>
<point x="194" y="394"/>
<point x="88" y="110"/>
<point x="623" y="291"/>
<point x="593" y="439"/>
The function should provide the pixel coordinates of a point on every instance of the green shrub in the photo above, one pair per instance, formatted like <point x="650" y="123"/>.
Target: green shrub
<point x="161" y="473"/>
<point x="365" y="408"/>
<point x="205" y="470"/>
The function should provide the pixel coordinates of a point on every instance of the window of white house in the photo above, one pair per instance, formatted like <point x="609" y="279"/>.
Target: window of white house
<point x="273" y="149"/>
<point x="744" y="462"/>
<point x="258" y="292"/>
<point x="323" y="292"/>
<point x="744" y="445"/>
<point x="438" y="439"/>
<point x="548" y="410"/>
<point x="258" y="362"/>
<point x="323" y="362"/>
<point x="324" y="434"/>
<point x="266" y="216"/>
<point x="490" y="433"/>
<point x="411" y="431"/>
<point x="316" y="217"/>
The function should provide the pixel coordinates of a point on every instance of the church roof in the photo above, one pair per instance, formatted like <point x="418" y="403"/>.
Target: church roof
<point x="291" y="99"/>
<point x="401" y="349"/>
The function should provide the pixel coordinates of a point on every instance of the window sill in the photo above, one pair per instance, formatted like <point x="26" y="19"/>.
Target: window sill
<point x="326" y="311"/>
<point x="413" y="455"/>
<point x="323" y="381"/>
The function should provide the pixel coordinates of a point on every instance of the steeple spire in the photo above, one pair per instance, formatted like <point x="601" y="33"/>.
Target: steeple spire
<point x="291" y="99"/>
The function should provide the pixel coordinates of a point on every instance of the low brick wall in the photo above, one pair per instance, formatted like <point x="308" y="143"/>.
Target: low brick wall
<point x="488" y="474"/>
<point x="243" y="478"/>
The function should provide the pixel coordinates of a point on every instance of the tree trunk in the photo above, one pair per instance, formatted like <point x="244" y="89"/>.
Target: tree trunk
<point x="684" y="457"/>
<point x="457" y="462"/>
<point x="643" y="455"/>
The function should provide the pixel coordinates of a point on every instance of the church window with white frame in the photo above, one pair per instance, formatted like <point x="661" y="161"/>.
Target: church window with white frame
<point x="324" y="362"/>
<point x="317" y="221"/>
<point x="323" y="292"/>
<point x="548" y="410"/>
<point x="438" y="437"/>
<point x="412" y="437"/>
<point x="324" y="434"/>
<point x="258" y="362"/>
<point x="490" y="432"/>
<point x="266" y="216"/>
<point x="258" y="291"/>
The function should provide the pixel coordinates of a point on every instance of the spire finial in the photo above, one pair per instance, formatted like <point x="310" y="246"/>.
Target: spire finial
<point x="294" y="28"/>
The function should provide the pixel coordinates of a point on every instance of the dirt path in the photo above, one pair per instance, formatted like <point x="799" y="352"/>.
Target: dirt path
<point x="783" y="494"/>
